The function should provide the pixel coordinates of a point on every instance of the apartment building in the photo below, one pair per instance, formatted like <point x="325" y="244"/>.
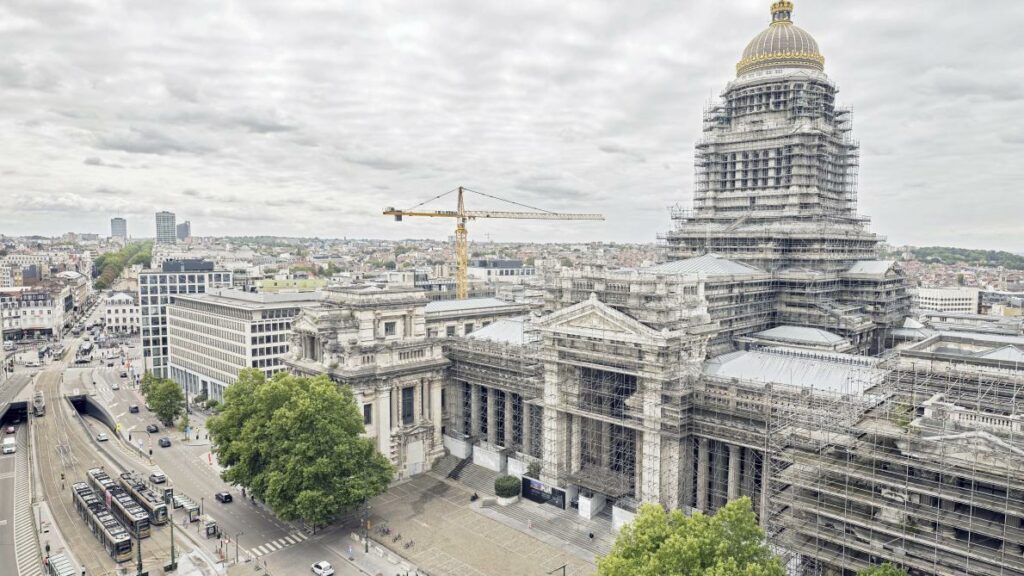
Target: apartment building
<point x="121" y="313"/>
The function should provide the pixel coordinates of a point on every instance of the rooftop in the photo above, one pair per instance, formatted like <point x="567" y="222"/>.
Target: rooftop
<point x="253" y="300"/>
<point x="710" y="264"/>
<point x="506" y="331"/>
<point x="465" y="305"/>
<point x="801" y="334"/>
<point x="872" y="267"/>
<point x="843" y="374"/>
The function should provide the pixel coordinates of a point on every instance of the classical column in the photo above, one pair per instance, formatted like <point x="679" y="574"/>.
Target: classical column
<point x="436" y="410"/>
<point x="686" y="470"/>
<point x="702" y="474"/>
<point x="492" y="416"/>
<point x="606" y="441"/>
<point x="575" y="451"/>
<point x="396" y="412"/>
<point x="384" y="421"/>
<point x="749" y="473"/>
<point x="474" y="410"/>
<point x="509" y="409"/>
<point x="417" y="402"/>
<point x="734" y="472"/>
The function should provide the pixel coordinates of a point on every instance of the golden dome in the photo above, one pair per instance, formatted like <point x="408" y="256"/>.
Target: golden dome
<point x="782" y="45"/>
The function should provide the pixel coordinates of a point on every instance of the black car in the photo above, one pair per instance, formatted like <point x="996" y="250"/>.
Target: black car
<point x="152" y="428"/>
<point x="224" y="497"/>
<point x="164" y="442"/>
<point x="134" y="408"/>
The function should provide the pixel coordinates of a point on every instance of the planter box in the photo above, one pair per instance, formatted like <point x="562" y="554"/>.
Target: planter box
<point x="506" y="501"/>
<point x="490" y="457"/>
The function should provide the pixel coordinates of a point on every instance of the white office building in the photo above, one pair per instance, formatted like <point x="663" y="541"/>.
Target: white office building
<point x="121" y="313"/>
<point x="212" y="336"/>
<point x="157" y="290"/>
<point x="946" y="299"/>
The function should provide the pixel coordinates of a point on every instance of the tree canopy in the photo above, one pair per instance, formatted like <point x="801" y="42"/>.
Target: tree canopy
<point x="886" y="569"/>
<point x="948" y="255"/>
<point x="295" y="443"/>
<point x="165" y="399"/>
<point x="108" y="266"/>
<point x="660" y="543"/>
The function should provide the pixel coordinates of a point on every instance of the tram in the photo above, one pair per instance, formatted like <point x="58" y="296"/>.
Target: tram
<point x="121" y="504"/>
<point x="115" y="539"/>
<point x="151" y="503"/>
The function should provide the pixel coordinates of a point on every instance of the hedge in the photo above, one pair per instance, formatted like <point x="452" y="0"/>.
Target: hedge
<point x="506" y="486"/>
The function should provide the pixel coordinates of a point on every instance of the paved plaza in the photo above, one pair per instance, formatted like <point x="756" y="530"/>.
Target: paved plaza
<point x="452" y="539"/>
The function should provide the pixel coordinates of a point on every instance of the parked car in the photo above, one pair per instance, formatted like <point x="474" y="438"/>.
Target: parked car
<point x="11" y="430"/>
<point x="323" y="568"/>
<point x="102" y="437"/>
<point x="124" y="374"/>
<point x="223" y="497"/>
<point x="164" y="442"/>
<point x="152" y="428"/>
<point x="134" y="408"/>
<point x="157" y="477"/>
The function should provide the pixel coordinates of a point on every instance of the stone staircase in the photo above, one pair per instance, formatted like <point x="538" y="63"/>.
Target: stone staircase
<point x="477" y="478"/>
<point x="565" y="525"/>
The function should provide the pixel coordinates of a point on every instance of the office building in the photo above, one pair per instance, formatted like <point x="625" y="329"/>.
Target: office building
<point x="121" y="313"/>
<point x="157" y="290"/>
<point x="119" y="228"/>
<point x="165" y="229"/>
<point x="184" y="231"/>
<point x="212" y="336"/>
<point x="964" y="300"/>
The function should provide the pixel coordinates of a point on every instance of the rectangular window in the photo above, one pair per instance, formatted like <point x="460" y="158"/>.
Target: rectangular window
<point x="407" y="414"/>
<point x="449" y="331"/>
<point x="469" y="328"/>
<point x="367" y="414"/>
<point x="389" y="328"/>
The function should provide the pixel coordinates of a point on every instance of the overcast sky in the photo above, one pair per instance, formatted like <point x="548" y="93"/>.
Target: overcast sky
<point x="289" y="118"/>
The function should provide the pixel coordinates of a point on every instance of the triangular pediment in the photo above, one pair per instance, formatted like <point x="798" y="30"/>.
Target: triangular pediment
<point x="596" y="317"/>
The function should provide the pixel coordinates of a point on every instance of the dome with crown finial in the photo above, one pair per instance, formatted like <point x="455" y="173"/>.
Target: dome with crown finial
<point x="782" y="45"/>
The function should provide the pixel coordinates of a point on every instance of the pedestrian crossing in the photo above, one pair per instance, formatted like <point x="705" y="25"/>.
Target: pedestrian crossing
<point x="274" y="546"/>
<point x="26" y="545"/>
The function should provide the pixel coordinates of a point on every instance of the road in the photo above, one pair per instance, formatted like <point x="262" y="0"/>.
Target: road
<point x="8" y="566"/>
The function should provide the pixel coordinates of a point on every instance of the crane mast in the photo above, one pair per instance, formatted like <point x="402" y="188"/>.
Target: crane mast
<point x="461" y="216"/>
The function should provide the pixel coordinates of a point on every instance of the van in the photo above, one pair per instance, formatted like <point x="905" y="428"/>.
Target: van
<point x="10" y="445"/>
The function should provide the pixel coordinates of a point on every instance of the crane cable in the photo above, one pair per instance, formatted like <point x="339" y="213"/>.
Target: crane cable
<point x="481" y="194"/>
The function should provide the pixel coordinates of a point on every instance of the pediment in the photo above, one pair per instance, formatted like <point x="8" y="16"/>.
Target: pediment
<point x="592" y="315"/>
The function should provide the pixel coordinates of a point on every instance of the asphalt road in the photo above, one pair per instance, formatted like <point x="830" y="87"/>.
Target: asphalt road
<point x="8" y="566"/>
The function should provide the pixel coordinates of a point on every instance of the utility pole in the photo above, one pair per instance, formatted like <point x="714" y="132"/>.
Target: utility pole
<point x="174" y="563"/>
<point x="138" y="545"/>
<point x="236" y="545"/>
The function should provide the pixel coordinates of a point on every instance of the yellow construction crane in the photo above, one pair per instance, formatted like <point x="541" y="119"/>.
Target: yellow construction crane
<point x="462" y="215"/>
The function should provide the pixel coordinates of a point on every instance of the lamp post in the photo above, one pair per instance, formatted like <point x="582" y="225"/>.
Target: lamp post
<point x="236" y="545"/>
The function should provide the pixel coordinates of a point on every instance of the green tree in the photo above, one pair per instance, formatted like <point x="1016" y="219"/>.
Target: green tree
<point x="146" y="384"/>
<point x="165" y="399"/>
<point x="886" y="569"/>
<point x="659" y="543"/>
<point x="183" y="424"/>
<point x="295" y="443"/>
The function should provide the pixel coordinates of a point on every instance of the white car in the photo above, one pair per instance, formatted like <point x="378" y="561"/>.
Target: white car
<point x="323" y="568"/>
<point x="102" y="437"/>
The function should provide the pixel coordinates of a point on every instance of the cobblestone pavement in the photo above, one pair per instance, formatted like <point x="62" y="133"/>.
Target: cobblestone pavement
<point x="450" y="539"/>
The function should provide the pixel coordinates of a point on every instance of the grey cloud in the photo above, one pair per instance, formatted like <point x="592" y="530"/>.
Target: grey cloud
<point x="97" y="161"/>
<point x="147" y="141"/>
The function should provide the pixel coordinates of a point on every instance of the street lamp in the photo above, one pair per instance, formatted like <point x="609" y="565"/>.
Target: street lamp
<point x="236" y="545"/>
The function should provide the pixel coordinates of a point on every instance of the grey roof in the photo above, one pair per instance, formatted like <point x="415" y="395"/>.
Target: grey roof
<point x="506" y="331"/>
<point x="846" y="374"/>
<point x="873" y="267"/>
<point x="467" y="304"/>
<point x="710" y="264"/>
<point x="801" y="334"/>
<point x="1006" y="353"/>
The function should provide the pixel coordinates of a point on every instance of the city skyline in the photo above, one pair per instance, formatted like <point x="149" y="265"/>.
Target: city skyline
<point x="321" y="120"/>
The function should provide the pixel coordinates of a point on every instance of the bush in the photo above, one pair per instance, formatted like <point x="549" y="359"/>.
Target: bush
<point x="212" y="403"/>
<point x="533" y="470"/>
<point x="506" y="486"/>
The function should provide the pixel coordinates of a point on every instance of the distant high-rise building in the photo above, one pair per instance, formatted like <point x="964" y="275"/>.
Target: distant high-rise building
<point x="119" y="228"/>
<point x="165" y="230"/>
<point x="184" y="230"/>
